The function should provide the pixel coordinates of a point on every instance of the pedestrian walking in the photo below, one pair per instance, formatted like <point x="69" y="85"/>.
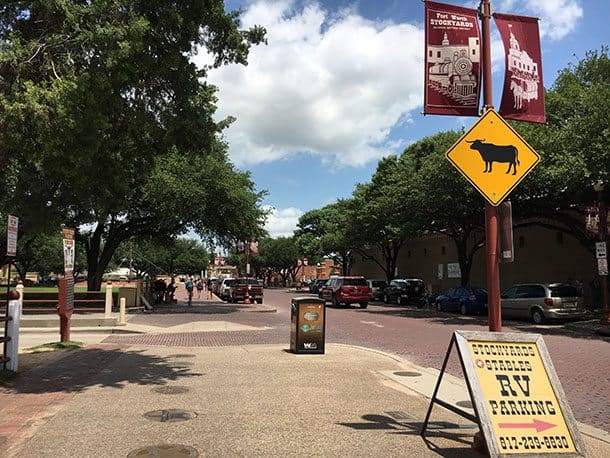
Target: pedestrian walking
<point x="199" y="287"/>
<point x="189" y="289"/>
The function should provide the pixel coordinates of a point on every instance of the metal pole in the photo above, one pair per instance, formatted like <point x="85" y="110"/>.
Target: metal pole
<point x="246" y="294"/>
<point x="602" y="237"/>
<point x="491" y="213"/>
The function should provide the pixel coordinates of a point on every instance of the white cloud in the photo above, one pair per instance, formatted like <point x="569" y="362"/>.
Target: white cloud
<point x="558" y="18"/>
<point x="282" y="222"/>
<point x="326" y="85"/>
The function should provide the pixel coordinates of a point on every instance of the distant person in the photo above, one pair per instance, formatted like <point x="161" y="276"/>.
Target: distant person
<point x="199" y="287"/>
<point x="160" y="288"/>
<point x="171" y="289"/>
<point x="189" y="289"/>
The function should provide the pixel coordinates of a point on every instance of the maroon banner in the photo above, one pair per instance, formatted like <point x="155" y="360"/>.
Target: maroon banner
<point x="523" y="94"/>
<point x="453" y="60"/>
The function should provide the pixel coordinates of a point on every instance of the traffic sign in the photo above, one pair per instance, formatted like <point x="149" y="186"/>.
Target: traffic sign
<point x="493" y="157"/>
<point x="12" y="230"/>
<point x="600" y="250"/>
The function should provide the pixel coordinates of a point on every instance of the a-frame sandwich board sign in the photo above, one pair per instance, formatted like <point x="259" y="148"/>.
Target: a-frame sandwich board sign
<point x="518" y="400"/>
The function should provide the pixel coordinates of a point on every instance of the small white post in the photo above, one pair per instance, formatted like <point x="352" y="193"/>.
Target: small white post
<point x="108" y="303"/>
<point x="122" y="311"/>
<point x="12" y="346"/>
<point x="20" y="290"/>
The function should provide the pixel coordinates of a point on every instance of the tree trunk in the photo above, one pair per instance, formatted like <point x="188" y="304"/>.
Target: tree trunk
<point x="99" y="257"/>
<point x="465" y="255"/>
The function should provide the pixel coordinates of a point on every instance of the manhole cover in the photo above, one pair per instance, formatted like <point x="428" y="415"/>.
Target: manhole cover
<point x="164" y="451"/>
<point x="171" y="389"/>
<point x="407" y="374"/>
<point x="466" y="404"/>
<point x="170" y="415"/>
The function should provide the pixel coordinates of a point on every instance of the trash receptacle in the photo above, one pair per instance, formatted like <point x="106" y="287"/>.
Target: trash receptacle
<point x="307" y="323"/>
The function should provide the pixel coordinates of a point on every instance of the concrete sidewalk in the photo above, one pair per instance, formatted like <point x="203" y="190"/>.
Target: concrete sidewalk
<point x="118" y="400"/>
<point x="256" y="400"/>
<point x="230" y="401"/>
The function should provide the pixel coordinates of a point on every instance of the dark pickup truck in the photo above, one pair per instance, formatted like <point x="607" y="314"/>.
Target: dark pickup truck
<point x="255" y="290"/>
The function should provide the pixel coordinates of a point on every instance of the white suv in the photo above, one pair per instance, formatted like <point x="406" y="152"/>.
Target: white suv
<point x="224" y="289"/>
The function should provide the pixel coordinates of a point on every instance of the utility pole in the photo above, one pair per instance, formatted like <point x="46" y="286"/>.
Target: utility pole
<point x="491" y="212"/>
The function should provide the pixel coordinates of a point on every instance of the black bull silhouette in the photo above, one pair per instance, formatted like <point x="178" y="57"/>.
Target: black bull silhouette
<point x="491" y="153"/>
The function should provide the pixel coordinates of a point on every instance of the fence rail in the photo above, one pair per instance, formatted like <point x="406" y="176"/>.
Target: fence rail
<point x="48" y="301"/>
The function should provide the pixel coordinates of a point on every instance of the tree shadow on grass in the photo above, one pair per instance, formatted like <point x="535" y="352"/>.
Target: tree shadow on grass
<point x="100" y="365"/>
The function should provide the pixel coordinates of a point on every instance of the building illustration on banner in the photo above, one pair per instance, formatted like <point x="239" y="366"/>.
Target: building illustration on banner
<point x="523" y="72"/>
<point x="452" y="72"/>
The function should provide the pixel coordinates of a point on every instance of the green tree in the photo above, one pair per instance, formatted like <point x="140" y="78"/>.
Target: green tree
<point x="326" y="232"/>
<point x="96" y="98"/>
<point x="379" y="217"/>
<point x="169" y="256"/>
<point x="439" y="199"/>
<point x="573" y="148"/>
<point x="279" y="256"/>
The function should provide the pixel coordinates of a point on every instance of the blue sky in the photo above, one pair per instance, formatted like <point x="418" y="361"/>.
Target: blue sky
<point x="340" y="85"/>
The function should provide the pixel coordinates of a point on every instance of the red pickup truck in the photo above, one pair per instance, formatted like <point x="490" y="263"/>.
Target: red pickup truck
<point x="238" y="290"/>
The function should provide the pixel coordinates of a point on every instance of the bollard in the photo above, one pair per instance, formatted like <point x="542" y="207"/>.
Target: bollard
<point x="12" y="328"/>
<point x="20" y="291"/>
<point x="122" y="311"/>
<point x="108" y="303"/>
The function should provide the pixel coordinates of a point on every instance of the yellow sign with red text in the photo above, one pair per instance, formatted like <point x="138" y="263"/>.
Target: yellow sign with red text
<point x="493" y="157"/>
<point x="522" y="406"/>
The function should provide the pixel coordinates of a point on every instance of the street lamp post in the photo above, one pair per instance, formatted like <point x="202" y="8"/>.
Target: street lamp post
<point x="602" y="229"/>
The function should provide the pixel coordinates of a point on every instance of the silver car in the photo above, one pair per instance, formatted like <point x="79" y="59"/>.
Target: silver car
<point x="542" y="301"/>
<point x="377" y="288"/>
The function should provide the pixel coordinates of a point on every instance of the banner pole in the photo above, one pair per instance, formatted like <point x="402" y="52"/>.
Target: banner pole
<point x="491" y="213"/>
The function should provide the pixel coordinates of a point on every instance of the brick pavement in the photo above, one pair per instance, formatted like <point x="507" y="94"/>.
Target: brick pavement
<point x="30" y="400"/>
<point x="28" y="403"/>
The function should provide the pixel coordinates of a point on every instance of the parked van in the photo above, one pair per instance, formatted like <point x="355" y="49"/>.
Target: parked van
<point x="540" y="302"/>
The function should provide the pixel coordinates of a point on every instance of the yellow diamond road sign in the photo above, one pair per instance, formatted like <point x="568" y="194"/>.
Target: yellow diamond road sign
<point x="493" y="157"/>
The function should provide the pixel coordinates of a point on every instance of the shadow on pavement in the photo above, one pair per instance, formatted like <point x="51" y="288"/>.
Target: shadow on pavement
<point x="81" y="369"/>
<point x="436" y="429"/>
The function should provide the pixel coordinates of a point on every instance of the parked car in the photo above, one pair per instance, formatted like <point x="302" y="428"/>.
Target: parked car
<point x="346" y="290"/>
<point x="377" y="288"/>
<point x="542" y="301"/>
<point x="317" y="285"/>
<point x="224" y="288"/>
<point x="237" y="292"/>
<point x="463" y="299"/>
<point x="406" y="291"/>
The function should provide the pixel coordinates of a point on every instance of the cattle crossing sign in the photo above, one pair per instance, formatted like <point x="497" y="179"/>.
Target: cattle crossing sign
<point x="493" y="157"/>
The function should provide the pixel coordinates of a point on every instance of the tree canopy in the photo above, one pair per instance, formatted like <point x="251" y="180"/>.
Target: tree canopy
<point x="105" y="121"/>
<point x="420" y="192"/>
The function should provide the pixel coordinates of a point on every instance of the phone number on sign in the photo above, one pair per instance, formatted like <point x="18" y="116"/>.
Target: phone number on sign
<point x="533" y="442"/>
